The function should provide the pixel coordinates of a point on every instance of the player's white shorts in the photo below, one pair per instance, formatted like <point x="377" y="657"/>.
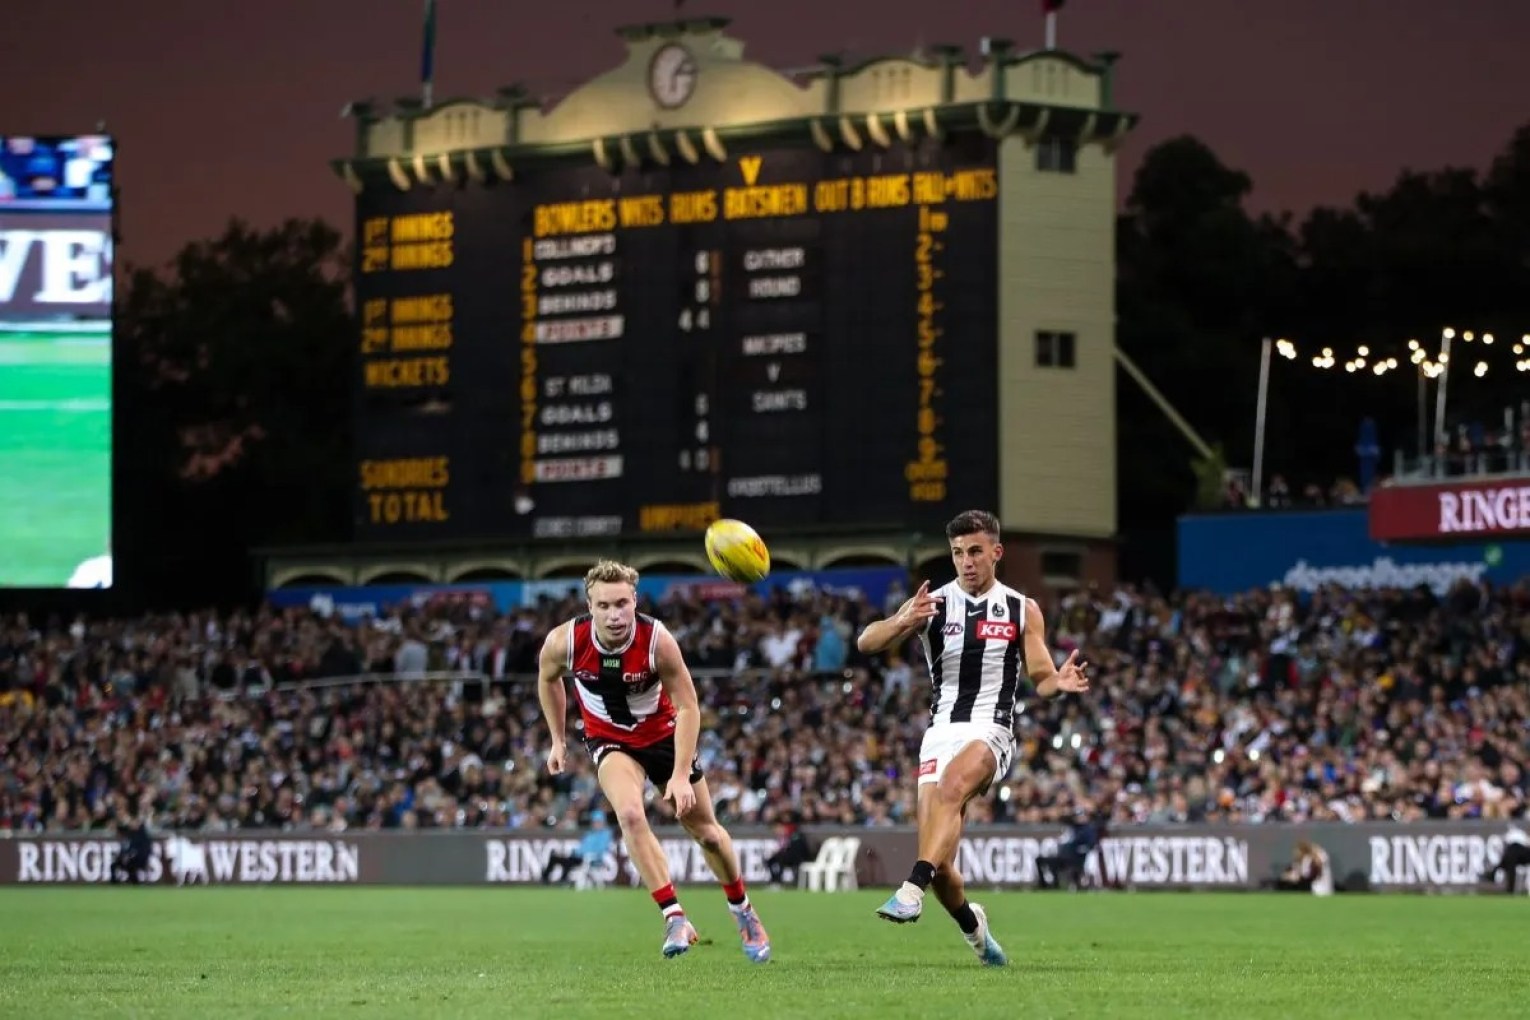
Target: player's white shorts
<point x="944" y="741"/>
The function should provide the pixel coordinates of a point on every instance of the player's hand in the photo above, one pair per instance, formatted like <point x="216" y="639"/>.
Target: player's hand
<point x="679" y="793"/>
<point x="1071" y="677"/>
<point x="555" y="759"/>
<point x="919" y="608"/>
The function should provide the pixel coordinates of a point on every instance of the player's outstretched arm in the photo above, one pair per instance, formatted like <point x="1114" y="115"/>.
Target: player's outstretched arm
<point x="1050" y="680"/>
<point x="675" y="675"/>
<point x="915" y="613"/>
<point x="551" y="665"/>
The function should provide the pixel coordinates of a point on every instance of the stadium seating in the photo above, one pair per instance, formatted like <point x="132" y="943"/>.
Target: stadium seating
<point x="1265" y="707"/>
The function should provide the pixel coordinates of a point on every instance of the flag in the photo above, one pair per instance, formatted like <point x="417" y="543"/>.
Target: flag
<point x="1051" y="6"/>
<point x="428" y="49"/>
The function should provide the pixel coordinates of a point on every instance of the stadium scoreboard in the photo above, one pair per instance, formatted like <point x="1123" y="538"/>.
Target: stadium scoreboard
<point x="789" y="336"/>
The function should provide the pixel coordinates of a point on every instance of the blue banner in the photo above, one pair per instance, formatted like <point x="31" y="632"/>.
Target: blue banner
<point x="1304" y="550"/>
<point x="353" y="603"/>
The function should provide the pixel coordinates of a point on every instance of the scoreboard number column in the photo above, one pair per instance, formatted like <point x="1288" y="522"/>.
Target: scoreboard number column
<point x="928" y="471"/>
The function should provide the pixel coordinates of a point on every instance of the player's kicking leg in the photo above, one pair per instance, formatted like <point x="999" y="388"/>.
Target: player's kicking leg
<point x="717" y="846"/>
<point x="622" y="779"/>
<point x="943" y="796"/>
<point x="970" y="917"/>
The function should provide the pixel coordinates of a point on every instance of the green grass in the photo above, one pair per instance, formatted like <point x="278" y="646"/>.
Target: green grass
<point x="160" y="952"/>
<point x="55" y="455"/>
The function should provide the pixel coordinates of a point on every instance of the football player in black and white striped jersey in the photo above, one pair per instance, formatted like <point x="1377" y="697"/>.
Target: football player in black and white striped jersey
<point x="984" y="642"/>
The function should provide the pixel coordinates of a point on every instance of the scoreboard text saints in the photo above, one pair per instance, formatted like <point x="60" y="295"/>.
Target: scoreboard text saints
<point x="787" y="336"/>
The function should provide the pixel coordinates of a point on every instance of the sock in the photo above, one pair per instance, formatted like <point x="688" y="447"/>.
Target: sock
<point x="738" y="899"/>
<point x="965" y="918"/>
<point x="668" y="902"/>
<point x="922" y="875"/>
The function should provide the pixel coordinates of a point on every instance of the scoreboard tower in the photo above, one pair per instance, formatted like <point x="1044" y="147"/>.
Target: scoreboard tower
<point x="842" y="307"/>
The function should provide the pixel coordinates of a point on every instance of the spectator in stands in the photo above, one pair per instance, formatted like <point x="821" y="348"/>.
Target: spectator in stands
<point x="1516" y="855"/>
<point x="1065" y="868"/>
<point x="134" y="852"/>
<point x="590" y="854"/>
<point x="792" y="853"/>
<point x="1309" y="871"/>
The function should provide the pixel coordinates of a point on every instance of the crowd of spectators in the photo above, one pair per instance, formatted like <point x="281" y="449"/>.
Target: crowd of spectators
<point x="1265" y="707"/>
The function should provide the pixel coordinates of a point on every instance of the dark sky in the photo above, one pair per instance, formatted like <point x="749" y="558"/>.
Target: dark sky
<point x="233" y="108"/>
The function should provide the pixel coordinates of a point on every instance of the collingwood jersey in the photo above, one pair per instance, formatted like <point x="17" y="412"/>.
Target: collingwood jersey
<point x="975" y="651"/>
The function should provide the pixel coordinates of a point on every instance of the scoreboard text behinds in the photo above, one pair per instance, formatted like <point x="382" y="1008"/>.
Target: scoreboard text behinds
<point x="789" y="337"/>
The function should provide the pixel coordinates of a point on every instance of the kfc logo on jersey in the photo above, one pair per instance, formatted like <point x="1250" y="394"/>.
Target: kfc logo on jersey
<point x="992" y="630"/>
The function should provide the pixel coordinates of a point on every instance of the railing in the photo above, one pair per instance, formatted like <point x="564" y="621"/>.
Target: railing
<point x="1488" y="463"/>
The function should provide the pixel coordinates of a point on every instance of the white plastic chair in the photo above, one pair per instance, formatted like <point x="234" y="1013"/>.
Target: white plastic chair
<point x="590" y="874"/>
<point x="187" y="860"/>
<point x="834" y="867"/>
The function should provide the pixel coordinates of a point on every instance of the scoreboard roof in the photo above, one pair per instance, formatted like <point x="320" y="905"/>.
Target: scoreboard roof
<point x="685" y="91"/>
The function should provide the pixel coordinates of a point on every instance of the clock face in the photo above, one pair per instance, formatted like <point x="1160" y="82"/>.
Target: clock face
<point x="672" y="76"/>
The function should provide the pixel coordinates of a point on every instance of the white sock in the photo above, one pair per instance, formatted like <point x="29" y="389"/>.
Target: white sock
<point x="909" y="892"/>
<point x="739" y="908"/>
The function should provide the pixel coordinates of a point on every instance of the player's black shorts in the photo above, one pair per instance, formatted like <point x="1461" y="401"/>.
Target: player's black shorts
<point x="657" y="759"/>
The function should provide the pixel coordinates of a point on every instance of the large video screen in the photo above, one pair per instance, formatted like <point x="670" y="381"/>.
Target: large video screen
<point x="785" y="336"/>
<point x="55" y="361"/>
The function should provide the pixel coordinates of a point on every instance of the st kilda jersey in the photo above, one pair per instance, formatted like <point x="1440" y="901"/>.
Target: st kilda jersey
<point x="975" y="651"/>
<point x="618" y="689"/>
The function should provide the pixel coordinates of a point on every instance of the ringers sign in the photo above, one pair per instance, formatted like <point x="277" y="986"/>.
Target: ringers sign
<point x="1430" y="857"/>
<point x="1469" y="510"/>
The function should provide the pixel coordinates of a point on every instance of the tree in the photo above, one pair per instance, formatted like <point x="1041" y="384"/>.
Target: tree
<point x="1199" y="282"/>
<point x="235" y="387"/>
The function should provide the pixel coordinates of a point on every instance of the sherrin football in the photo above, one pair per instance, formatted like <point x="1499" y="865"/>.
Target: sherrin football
<point x="737" y="552"/>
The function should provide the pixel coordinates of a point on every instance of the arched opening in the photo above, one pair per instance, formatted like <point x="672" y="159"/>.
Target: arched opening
<point x="486" y="574"/>
<point x="399" y="577"/>
<point x="315" y="580"/>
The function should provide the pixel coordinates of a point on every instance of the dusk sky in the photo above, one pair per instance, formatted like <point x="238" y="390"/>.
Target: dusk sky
<point x="233" y="109"/>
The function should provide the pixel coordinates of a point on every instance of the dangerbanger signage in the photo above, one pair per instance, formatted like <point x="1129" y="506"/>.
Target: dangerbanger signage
<point x="1467" y="510"/>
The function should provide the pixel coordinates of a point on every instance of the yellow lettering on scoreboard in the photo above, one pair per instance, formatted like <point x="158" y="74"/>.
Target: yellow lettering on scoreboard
<point x="404" y="326"/>
<point x="408" y="490"/>
<point x="642" y="211"/>
<point x="393" y="373"/>
<point x="765" y="201"/>
<point x="574" y="217"/>
<point x="693" y="207"/>
<point x="676" y="516"/>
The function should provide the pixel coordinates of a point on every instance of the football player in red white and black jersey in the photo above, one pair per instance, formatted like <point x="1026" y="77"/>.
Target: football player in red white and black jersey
<point x="641" y="721"/>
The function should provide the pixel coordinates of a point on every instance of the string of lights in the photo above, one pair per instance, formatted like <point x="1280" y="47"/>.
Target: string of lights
<point x="1431" y="365"/>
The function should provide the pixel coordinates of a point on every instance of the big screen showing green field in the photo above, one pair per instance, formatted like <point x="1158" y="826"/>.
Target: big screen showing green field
<point x="55" y="362"/>
<point x="792" y="337"/>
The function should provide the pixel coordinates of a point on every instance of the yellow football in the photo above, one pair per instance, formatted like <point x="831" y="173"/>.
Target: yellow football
<point x="737" y="552"/>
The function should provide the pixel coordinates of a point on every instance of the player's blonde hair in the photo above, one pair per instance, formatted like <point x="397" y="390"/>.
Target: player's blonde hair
<point x="610" y="572"/>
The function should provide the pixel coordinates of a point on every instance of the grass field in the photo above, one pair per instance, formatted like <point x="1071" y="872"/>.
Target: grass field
<point x="161" y="952"/>
<point x="55" y="454"/>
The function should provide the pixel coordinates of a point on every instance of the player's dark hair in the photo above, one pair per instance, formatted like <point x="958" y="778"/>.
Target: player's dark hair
<point x="971" y="522"/>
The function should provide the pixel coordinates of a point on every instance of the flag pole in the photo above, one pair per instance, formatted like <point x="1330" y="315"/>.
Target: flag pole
<point x="1052" y="29"/>
<point x="428" y="55"/>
